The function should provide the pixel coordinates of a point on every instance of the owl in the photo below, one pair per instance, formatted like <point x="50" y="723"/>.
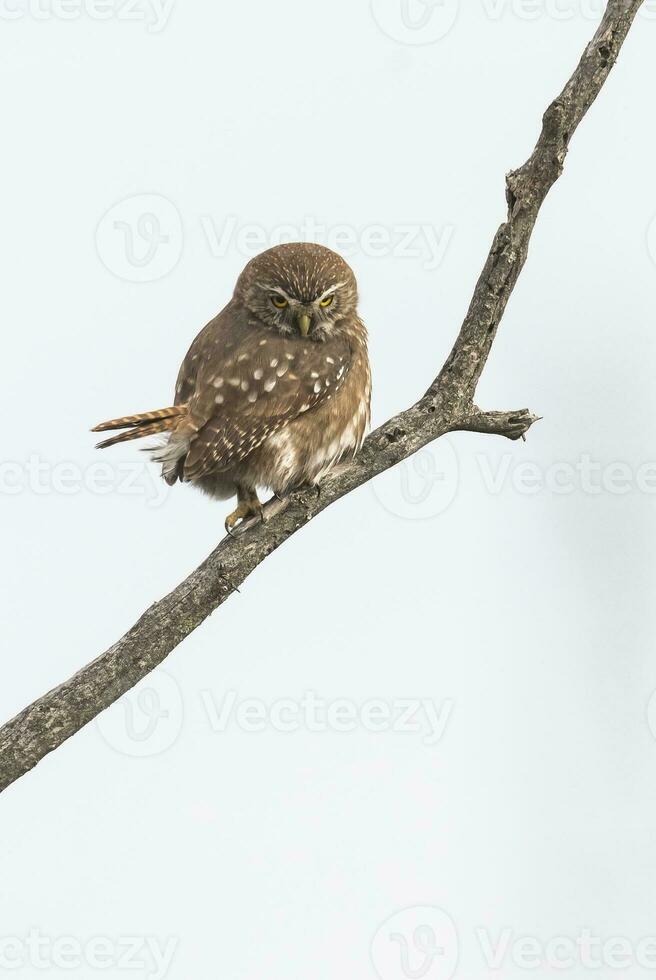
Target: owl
<point x="274" y="391"/>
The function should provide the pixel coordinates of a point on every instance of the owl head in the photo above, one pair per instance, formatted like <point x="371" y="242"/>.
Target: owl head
<point x="299" y="289"/>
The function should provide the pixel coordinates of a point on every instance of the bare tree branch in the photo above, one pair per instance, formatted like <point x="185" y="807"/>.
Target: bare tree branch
<point x="447" y="406"/>
<point x="512" y="425"/>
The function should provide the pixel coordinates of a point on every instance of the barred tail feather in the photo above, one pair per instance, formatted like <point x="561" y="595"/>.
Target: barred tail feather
<point x="146" y="424"/>
<point x="127" y="421"/>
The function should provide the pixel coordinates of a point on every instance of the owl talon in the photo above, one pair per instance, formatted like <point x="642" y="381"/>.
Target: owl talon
<point x="244" y="510"/>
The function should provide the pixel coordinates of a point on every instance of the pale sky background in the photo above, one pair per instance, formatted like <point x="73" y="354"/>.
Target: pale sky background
<point x="505" y="592"/>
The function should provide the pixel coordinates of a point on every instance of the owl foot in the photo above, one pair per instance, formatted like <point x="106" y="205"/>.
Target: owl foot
<point x="246" y="508"/>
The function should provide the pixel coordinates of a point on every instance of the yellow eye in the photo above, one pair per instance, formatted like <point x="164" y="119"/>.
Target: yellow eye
<point x="328" y="301"/>
<point x="279" y="301"/>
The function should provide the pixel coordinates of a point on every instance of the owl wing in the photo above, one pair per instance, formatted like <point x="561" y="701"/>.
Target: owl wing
<point x="249" y="384"/>
<point x="199" y="351"/>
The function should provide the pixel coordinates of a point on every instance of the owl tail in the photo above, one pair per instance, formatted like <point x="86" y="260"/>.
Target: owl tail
<point x="146" y="424"/>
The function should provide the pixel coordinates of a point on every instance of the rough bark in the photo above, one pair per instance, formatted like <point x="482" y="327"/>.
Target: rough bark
<point x="447" y="406"/>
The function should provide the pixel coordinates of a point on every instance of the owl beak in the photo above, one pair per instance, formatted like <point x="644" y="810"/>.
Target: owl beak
<point x="304" y="322"/>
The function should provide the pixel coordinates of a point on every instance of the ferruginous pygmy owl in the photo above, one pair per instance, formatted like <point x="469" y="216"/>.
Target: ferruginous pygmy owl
<point x="275" y="390"/>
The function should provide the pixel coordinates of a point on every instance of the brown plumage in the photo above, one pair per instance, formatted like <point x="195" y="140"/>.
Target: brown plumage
<point x="147" y="424"/>
<point x="275" y="390"/>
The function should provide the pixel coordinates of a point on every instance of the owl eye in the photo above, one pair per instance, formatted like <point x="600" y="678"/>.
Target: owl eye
<point x="279" y="301"/>
<point x="328" y="301"/>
